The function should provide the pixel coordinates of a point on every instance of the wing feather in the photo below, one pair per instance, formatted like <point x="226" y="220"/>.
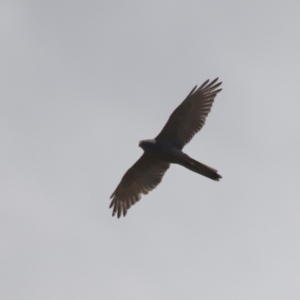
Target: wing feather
<point x="190" y="116"/>
<point x="140" y="179"/>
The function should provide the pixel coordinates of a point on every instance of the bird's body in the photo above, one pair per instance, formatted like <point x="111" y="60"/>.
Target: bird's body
<point x="162" y="150"/>
<point x="187" y="119"/>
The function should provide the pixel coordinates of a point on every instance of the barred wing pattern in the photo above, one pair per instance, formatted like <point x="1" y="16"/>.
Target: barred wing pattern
<point x="189" y="117"/>
<point x="140" y="179"/>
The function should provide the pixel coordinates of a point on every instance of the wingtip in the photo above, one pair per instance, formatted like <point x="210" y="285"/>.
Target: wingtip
<point x="192" y="91"/>
<point x="212" y="84"/>
<point x="204" y="84"/>
<point x="118" y="210"/>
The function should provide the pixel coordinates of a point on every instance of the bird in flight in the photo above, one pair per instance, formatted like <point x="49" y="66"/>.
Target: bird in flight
<point x="185" y="121"/>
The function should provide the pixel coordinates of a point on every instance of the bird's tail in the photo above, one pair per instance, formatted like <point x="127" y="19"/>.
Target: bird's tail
<point x="202" y="169"/>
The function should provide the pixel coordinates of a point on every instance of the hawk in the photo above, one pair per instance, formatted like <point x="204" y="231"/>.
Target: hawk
<point x="185" y="121"/>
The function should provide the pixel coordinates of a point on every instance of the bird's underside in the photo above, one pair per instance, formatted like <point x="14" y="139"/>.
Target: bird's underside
<point x="186" y="120"/>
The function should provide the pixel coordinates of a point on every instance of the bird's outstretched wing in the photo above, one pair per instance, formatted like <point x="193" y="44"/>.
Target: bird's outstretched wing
<point x="189" y="117"/>
<point x="140" y="179"/>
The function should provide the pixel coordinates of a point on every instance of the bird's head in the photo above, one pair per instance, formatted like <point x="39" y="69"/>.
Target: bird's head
<point x="147" y="144"/>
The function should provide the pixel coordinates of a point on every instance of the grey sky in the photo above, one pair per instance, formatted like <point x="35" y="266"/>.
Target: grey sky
<point x="82" y="80"/>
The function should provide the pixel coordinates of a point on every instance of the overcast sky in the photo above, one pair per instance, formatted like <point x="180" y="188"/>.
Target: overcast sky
<point x="82" y="82"/>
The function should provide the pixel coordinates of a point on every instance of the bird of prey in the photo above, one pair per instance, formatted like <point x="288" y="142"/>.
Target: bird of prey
<point x="185" y="121"/>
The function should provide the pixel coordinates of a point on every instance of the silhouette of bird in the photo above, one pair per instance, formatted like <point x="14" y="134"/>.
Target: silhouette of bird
<point x="185" y="121"/>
